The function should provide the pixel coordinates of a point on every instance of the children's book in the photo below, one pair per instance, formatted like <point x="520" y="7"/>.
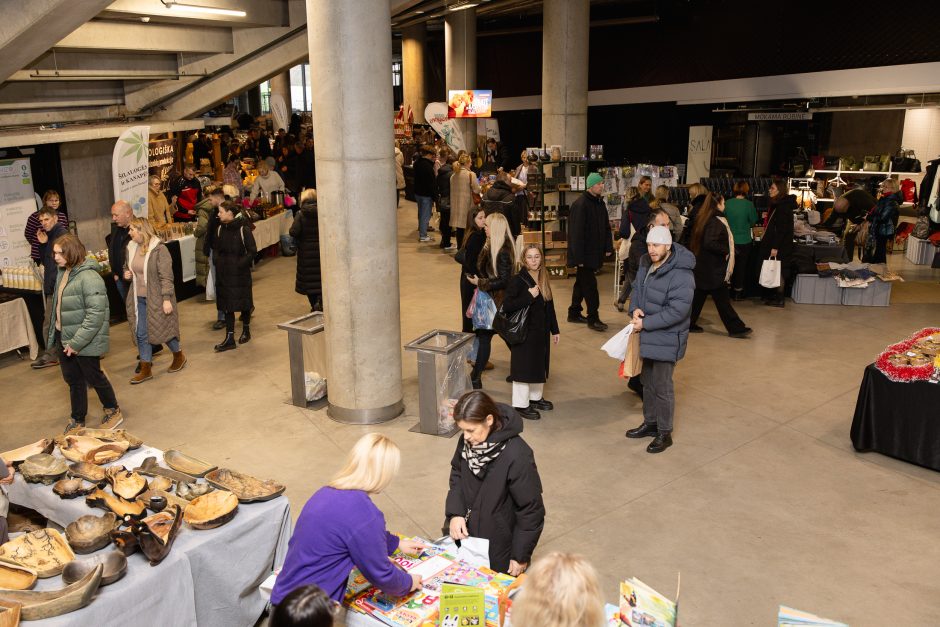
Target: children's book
<point x="789" y="617"/>
<point x="641" y="606"/>
<point x="462" y="606"/>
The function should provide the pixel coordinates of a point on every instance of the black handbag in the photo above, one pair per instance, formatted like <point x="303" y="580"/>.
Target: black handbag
<point x="461" y="256"/>
<point x="513" y="327"/>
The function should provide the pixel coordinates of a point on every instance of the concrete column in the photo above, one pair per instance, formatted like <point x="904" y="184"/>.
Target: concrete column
<point x="413" y="41"/>
<point x="352" y="98"/>
<point x="254" y="100"/>
<point x="565" y="33"/>
<point x="242" y="100"/>
<point x="280" y="84"/>
<point x="460" y="62"/>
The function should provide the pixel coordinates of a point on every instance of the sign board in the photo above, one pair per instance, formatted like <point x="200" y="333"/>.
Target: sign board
<point x="763" y="117"/>
<point x="130" y="168"/>
<point x="17" y="203"/>
<point x="436" y="115"/>
<point x="488" y="128"/>
<point x="161" y="158"/>
<point x="700" y="153"/>
<point x="469" y="103"/>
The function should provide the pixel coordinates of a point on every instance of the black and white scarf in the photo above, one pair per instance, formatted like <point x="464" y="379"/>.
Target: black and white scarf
<point x="479" y="456"/>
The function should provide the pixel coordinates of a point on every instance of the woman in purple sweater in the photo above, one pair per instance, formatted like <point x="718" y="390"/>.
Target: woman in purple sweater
<point x="340" y="528"/>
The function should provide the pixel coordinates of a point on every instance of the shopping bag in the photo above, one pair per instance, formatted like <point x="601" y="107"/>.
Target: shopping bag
<point x="616" y="346"/>
<point x="483" y="311"/>
<point x="472" y="551"/>
<point x="770" y="272"/>
<point x="473" y="303"/>
<point x="210" y="283"/>
<point x="632" y="362"/>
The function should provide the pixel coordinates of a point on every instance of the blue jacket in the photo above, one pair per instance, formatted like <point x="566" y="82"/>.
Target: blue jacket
<point x="665" y="296"/>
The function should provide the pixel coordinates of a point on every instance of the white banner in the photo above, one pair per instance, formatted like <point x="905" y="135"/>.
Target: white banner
<point x="489" y="128"/>
<point x="17" y="203"/>
<point x="279" y="112"/>
<point x="130" y="168"/>
<point x="436" y="115"/>
<point x="700" y="153"/>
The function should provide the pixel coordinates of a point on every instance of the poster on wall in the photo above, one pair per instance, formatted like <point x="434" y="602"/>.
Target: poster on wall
<point x="17" y="203"/>
<point x="436" y="115"/>
<point x="469" y="103"/>
<point x="700" y="153"/>
<point x="161" y="158"/>
<point x="130" y="168"/>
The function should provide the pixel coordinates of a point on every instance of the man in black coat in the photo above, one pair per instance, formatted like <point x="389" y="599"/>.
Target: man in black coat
<point x="425" y="190"/>
<point x="49" y="231"/>
<point x="589" y="242"/>
<point x="500" y="198"/>
<point x="306" y="232"/>
<point x="495" y="157"/>
<point x="301" y="170"/>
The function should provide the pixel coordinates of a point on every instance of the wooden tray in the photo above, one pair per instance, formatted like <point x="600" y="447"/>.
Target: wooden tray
<point x="182" y="462"/>
<point x="44" y="551"/>
<point x="245" y="487"/>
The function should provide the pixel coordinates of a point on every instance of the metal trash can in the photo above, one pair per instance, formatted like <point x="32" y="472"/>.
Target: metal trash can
<point x="298" y="330"/>
<point x="443" y="377"/>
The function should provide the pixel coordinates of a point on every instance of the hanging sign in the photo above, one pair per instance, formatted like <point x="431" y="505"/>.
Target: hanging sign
<point x="780" y="116"/>
<point x="436" y="115"/>
<point x="17" y="203"/>
<point x="130" y="168"/>
<point x="161" y="159"/>
<point x="700" y="153"/>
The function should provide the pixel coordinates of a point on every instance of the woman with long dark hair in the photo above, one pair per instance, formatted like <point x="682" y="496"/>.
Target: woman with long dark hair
<point x="777" y="242"/>
<point x="233" y="248"/>
<point x="712" y="244"/>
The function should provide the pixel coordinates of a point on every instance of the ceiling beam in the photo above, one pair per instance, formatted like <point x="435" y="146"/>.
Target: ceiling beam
<point x="257" y="13"/>
<point x="74" y="133"/>
<point x="27" y="30"/>
<point x="146" y="38"/>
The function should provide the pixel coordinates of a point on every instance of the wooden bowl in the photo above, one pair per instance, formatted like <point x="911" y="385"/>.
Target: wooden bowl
<point x="16" y="577"/>
<point x="88" y="472"/>
<point x="89" y="533"/>
<point x="114" y="563"/>
<point x="182" y="462"/>
<point x="156" y="533"/>
<point x="38" y="605"/>
<point x="163" y="484"/>
<point x="82" y="448"/>
<point x="71" y="488"/>
<point x="110" y="435"/>
<point x="44" y="551"/>
<point x="43" y="468"/>
<point x="189" y="491"/>
<point x="245" y="487"/>
<point x="20" y="454"/>
<point x="121" y="507"/>
<point x="124" y="483"/>
<point x="171" y="499"/>
<point x="211" y="510"/>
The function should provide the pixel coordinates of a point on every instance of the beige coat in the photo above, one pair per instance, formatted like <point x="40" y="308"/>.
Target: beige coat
<point x="461" y="199"/>
<point x="158" y="268"/>
<point x="158" y="209"/>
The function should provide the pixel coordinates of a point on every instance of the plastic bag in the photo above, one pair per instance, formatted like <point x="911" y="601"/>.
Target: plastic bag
<point x="472" y="551"/>
<point x="616" y="346"/>
<point x="770" y="272"/>
<point x="454" y="378"/>
<point x="210" y="282"/>
<point x="314" y="386"/>
<point x="484" y="310"/>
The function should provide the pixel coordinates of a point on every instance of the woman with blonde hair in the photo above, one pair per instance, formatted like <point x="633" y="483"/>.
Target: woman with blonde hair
<point x="152" y="314"/>
<point x="529" y="362"/>
<point x="561" y="590"/>
<point x="495" y="266"/>
<point x="340" y="528"/>
<point x="463" y="185"/>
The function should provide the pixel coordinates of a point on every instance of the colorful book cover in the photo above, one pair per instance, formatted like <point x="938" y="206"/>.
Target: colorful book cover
<point x="462" y="606"/>
<point x="789" y="617"/>
<point x="641" y="606"/>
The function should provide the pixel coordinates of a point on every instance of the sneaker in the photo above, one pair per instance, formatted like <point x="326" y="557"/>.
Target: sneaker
<point x="597" y="325"/>
<point x="694" y="328"/>
<point x="425" y="239"/>
<point x="44" y="361"/>
<point x="73" y="425"/>
<point x="112" y="418"/>
<point x="451" y="247"/>
<point x="218" y="325"/>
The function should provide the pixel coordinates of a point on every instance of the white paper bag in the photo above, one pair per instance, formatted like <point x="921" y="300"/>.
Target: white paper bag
<point x="210" y="283"/>
<point x="616" y="346"/>
<point x="770" y="272"/>
<point x="473" y="551"/>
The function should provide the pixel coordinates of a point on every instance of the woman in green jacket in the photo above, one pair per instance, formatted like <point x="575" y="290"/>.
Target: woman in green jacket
<point x="741" y="216"/>
<point x="78" y="329"/>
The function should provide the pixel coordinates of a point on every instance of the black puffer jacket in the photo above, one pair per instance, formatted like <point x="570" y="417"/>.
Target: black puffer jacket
<point x="501" y="199"/>
<point x="589" y="236"/>
<point x="306" y="231"/>
<point x="233" y="248"/>
<point x="505" y="504"/>
<point x="425" y="181"/>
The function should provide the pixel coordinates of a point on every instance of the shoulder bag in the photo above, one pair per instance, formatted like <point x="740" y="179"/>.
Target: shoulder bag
<point x="513" y="328"/>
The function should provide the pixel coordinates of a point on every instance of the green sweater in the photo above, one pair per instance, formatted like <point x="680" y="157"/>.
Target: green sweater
<point x="741" y="216"/>
<point x="84" y="311"/>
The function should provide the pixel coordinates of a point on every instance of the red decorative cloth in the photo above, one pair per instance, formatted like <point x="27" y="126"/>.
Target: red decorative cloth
<point x="906" y="373"/>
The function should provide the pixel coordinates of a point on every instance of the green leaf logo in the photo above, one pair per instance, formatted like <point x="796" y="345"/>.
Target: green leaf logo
<point x="136" y="143"/>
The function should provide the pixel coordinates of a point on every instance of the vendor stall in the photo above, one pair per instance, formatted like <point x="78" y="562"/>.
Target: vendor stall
<point x="18" y="328"/>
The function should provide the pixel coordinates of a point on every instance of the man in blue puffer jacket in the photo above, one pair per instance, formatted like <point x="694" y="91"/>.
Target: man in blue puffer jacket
<point x="661" y="304"/>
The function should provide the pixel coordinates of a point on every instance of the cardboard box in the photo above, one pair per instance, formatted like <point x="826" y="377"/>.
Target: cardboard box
<point x="531" y="237"/>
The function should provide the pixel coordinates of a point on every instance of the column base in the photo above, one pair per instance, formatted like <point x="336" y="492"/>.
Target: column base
<point x="368" y="416"/>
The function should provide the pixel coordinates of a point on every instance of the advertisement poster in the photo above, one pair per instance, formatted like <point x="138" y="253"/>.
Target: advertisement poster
<point x="130" y="168"/>
<point x="469" y="103"/>
<point x="700" y="153"/>
<point x="17" y="203"/>
<point x="161" y="158"/>
<point x="436" y="115"/>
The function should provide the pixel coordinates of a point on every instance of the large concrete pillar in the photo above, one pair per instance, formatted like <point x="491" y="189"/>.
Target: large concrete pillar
<point x="413" y="41"/>
<point x="352" y="97"/>
<point x="460" y="62"/>
<point x="280" y="85"/>
<point x="565" y="33"/>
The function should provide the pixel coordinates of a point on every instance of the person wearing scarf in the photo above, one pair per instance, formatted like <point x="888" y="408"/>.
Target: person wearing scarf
<point x="495" y="489"/>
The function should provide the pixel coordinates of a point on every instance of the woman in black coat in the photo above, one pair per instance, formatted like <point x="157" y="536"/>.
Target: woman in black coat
<point x="306" y="232"/>
<point x="529" y="360"/>
<point x="778" y="237"/>
<point x="495" y="489"/>
<point x="710" y="242"/>
<point x="470" y="250"/>
<point x="233" y="248"/>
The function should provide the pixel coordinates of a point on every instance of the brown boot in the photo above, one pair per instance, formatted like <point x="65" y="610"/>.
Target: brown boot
<point x="144" y="374"/>
<point x="179" y="360"/>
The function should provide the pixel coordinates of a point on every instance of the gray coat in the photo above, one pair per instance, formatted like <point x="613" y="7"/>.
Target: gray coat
<point x="665" y="296"/>
<point x="158" y="267"/>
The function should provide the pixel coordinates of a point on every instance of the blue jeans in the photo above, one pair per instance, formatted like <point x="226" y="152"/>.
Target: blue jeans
<point x="143" y="340"/>
<point x="425" y="203"/>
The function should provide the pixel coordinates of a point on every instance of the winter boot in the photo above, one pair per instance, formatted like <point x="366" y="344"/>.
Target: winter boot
<point x="227" y="344"/>
<point x="246" y="334"/>
<point x="145" y="373"/>
<point x="179" y="360"/>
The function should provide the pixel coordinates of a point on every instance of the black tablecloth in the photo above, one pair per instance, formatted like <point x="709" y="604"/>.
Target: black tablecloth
<point x="898" y="419"/>
<point x="802" y="261"/>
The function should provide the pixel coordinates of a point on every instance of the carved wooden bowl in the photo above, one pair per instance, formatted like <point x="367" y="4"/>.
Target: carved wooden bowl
<point x="88" y="472"/>
<point x="110" y="435"/>
<point x="156" y="533"/>
<point x="171" y="499"/>
<point x="44" y="551"/>
<point x="114" y="562"/>
<point x="124" y="483"/>
<point x="16" y="577"/>
<point x="20" y="454"/>
<point x="121" y="507"/>
<point x="184" y="463"/>
<point x="71" y="488"/>
<point x="164" y="484"/>
<point x="211" y="510"/>
<point x="189" y="491"/>
<point x="82" y="448"/>
<point x="245" y="487"/>
<point x="89" y="533"/>
<point x="43" y="468"/>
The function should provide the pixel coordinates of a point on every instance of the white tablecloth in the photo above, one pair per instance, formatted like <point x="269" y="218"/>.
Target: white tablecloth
<point x="188" y="257"/>
<point x="269" y="231"/>
<point x="16" y="328"/>
<point x="209" y="577"/>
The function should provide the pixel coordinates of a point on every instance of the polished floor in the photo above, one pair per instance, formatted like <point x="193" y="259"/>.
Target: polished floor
<point x="761" y="501"/>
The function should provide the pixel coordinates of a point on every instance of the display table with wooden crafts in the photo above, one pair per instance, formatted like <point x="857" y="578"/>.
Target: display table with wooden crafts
<point x="16" y="328"/>
<point x="208" y="577"/>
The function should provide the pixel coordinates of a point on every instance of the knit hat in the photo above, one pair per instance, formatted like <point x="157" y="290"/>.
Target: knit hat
<point x="593" y="179"/>
<point x="659" y="235"/>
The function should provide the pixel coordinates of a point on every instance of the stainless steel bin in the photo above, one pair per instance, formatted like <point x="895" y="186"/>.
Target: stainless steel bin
<point x="443" y="376"/>
<point x="297" y="329"/>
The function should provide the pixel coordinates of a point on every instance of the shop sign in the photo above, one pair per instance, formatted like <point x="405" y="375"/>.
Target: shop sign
<point x="436" y="115"/>
<point x="161" y="158"/>
<point x="130" y="168"/>
<point x="779" y="116"/>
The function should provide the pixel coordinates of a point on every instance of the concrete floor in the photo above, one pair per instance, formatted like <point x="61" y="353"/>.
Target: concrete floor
<point x="761" y="501"/>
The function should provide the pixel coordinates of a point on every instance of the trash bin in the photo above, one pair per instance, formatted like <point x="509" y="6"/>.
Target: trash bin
<point x="443" y="377"/>
<point x="299" y="330"/>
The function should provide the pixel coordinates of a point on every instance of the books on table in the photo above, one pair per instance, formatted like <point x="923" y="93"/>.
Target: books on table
<point x="641" y="606"/>
<point x="789" y="617"/>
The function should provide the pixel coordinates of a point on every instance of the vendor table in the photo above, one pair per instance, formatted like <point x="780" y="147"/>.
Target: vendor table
<point x="35" y="305"/>
<point x="268" y="232"/>
<point x="16" y="328"/>
<point x="209" y="577"/>
<point x="183" y="256"/>
<point x="898" y="419"/>
<point x="803" y="255"/>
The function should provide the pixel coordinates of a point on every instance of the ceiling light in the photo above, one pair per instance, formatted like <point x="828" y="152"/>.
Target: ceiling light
<point x="196" y="8"/>
<point x="460" y="5"/>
